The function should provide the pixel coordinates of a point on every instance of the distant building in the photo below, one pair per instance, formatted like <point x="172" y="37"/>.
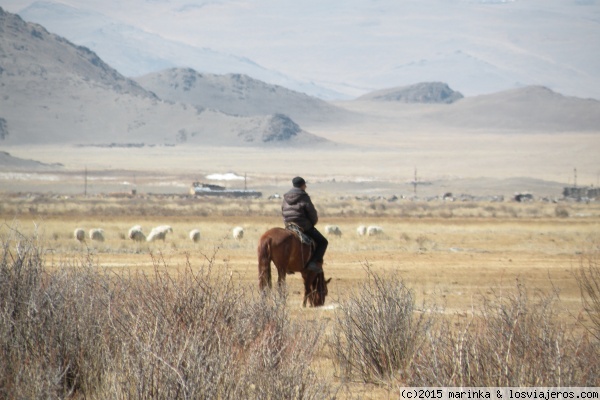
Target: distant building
<point x="523" y="197"/>
<point x="581" y="193"/>
<point x="205" y="189"/>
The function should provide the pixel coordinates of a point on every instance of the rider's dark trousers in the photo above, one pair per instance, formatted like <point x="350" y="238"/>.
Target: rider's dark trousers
<point x="320" y="242"/>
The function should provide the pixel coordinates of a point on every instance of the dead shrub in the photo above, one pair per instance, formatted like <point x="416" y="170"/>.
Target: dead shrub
<point x="588" y="279"/>
<point x="513" y="341"/>
<point x="76" y="330"/>
<point x="376" y="332"/>
<point x="54" y="321"/>
<point x="561" y="212"/>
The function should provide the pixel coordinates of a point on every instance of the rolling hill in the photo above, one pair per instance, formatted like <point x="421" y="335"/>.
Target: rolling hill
<point x="531" y="109"/>
<point x="424" y="92"/>
<point x="56" y="92"/>
<point x="528" y="109"/>
<point x="238" y="95"/>
<point x="12" y="163"/>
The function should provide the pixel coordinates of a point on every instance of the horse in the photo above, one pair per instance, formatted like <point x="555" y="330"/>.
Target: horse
<point x="289" y="255"/>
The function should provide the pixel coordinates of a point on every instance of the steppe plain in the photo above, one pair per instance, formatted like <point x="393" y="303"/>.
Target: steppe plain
<point x="451" y="253"/>
<point x="364" y="177"/>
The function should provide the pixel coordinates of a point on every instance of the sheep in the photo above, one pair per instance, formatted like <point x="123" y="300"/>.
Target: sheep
<point x="333" y="230"/>
<point x="238" y="233"/>
<point x="79" y="234"/>
<point x="195" y="235"/>
<point x="97" y="234"/>
<point x="136" y="234"/>
<point x="159" y="233"/>
<point x="361" y="230"/>
<point x="374" y="230"/>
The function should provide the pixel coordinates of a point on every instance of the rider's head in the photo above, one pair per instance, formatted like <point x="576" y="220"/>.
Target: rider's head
<point x="298" y="182"/>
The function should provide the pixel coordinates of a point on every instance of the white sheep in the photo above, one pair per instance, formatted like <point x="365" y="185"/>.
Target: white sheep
<point x="136" y="234"/>
<point x="79" y="234"/>
<point x="361" y="230"/>
<point x="97" y="234"/>
<point x="195" y="235"/>
<point x="159" y="233"/>
<point x="374" y="230"/>
<point x="333" y="230"/>
<point x="238" y="233"/>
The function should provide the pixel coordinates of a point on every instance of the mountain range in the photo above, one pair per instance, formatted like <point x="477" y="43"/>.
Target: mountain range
<point x="53" y="91"/>
<point x="135" y="52"/>
<point x="342" y="50"/>
<point x="56" y="92"/>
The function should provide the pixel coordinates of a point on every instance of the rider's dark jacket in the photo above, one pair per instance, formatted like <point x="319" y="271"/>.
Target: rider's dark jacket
<point x="299" y="209"/>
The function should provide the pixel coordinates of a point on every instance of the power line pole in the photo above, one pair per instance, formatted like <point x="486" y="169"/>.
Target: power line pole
<point x="415" y="182"/>
<point x="85" y="183"/>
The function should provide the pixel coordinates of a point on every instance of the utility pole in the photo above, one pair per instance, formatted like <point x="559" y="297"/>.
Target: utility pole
<point x="574" y="177"/>
<point x="245" y="178"/>
<point x="415" y="182"/>
<point x="85" y="183"/>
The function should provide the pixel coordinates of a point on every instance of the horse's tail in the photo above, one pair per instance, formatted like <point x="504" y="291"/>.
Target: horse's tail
<point x="264" y="262"/>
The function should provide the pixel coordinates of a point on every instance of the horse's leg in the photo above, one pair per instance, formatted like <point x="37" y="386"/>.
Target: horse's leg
<point x="281" y="272"/>
<point x="281" y="276"/>
<point x="306" y="255"/>
<point x="307" y="289"/>
<point x="307" y="293"/>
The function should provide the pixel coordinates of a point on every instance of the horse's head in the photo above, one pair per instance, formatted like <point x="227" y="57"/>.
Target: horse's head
<point x="318" y="290"/>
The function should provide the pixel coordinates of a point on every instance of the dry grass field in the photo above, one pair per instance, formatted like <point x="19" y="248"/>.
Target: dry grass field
<point x="455" y="258"/>
<point x="451" y="255"/>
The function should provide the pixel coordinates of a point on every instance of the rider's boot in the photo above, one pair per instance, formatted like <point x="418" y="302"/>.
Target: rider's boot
<point x="313" y="266"/>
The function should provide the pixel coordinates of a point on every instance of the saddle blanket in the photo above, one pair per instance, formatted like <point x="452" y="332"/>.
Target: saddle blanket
<point x="304" y="238"/>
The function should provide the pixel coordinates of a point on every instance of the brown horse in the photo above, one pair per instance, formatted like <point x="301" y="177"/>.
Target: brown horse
<point x="289" y="255"/>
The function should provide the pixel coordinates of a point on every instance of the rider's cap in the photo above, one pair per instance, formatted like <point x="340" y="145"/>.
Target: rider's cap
<point x="298" y="182"/>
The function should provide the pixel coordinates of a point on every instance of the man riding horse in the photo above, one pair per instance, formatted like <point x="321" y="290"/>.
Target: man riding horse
<point x="297" y="208"/>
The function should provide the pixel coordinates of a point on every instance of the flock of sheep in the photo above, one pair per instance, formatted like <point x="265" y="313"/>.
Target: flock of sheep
<point x="362" y="230"/>
<point x="160" y="233"/>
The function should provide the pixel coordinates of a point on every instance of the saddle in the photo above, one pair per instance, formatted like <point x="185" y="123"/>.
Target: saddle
<point x="304" y="238"/>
